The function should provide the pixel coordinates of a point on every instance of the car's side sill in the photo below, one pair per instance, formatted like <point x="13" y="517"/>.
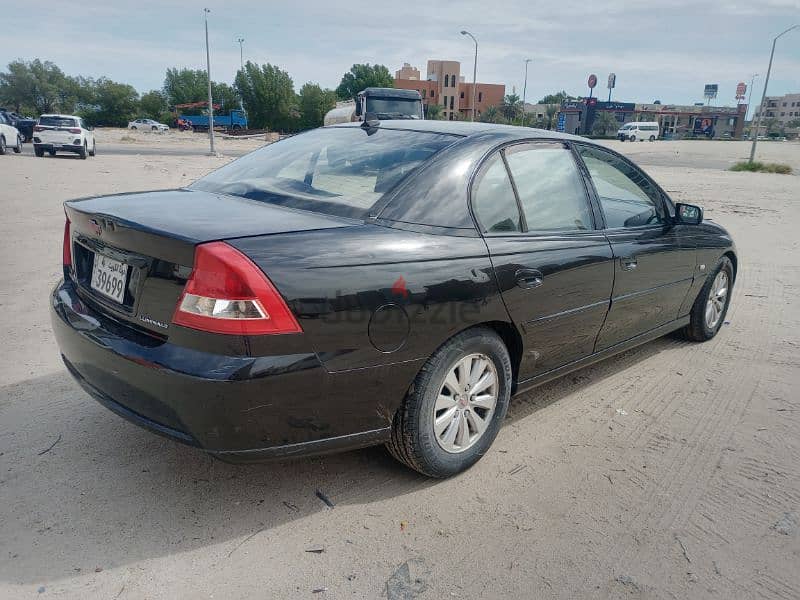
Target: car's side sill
<point x="334" y="444"/>
<point x="524" y="386"/>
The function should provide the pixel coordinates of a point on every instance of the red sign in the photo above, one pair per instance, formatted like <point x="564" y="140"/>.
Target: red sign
<point x="741" y="90"/>
<point x="592" y="81"/>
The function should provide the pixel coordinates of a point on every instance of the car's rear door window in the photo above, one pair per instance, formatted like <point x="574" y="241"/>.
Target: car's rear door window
<point x="493" y="197"/>
<point x="57" y="121"/>
<point x="550" y="186"/>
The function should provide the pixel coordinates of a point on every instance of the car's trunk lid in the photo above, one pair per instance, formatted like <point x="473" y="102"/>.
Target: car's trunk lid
<point x="132" y="253"/>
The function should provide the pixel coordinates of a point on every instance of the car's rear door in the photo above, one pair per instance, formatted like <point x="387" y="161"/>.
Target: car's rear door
<point x="654" y="261"/>
<point x="554" y="268"/>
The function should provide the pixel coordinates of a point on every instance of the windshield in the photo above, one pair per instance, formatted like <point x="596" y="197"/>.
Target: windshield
<point x="57" y="122"/>
<point x="397" y="108"/>
<point x="339" y="170"/>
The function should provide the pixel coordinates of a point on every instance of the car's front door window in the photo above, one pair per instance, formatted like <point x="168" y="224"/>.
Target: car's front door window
<point x="627" y="196"/>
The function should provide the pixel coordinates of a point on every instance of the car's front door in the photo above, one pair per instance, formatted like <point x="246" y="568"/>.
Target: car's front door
<point x="554" y="268"/>
<point x="654" y="261"/>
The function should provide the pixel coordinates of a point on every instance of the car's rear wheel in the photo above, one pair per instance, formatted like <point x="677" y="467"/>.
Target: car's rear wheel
<point x="456" y="405"/>
<point x="18" y="147"/>
<point x="51" y="152"/>
<point x="83" y="152"/>
<point x="2" y="145"/>
<point x="652" y="138"/>
<point x="632" y="138"/>
<point x="38" y="152"/>
<point x="133" y="128"/>
<point x="711" y="305"/>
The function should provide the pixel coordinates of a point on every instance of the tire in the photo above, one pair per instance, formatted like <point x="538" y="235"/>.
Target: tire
<point x="83" y="152"/>
<point x="133" y="128"/>
<point x="51" y="152"/>
<point x="38" y="152"/>
<point x="652" y="138"/>
<point x="632" y="138"/>
<point x="93" y="151"/>
<point x="18" y="147"/>
<point x="414" y="440"/>
<point x="3" y="147"/>
<point x="702" y="327"/>
<point x="154" y="128"/>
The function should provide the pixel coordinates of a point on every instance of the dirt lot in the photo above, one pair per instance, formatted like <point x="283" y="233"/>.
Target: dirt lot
<point x="672" y="471"/>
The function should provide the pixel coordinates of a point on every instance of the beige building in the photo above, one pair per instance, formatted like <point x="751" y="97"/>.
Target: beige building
<point x="783" y="108"/>
<point x="444" y="85"/>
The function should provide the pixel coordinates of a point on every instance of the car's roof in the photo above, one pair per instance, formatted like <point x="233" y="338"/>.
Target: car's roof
<point x="469" y="129"/>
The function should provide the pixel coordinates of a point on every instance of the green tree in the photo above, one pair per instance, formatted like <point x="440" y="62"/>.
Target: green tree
<point x="793" y="124"/>
<point x="511" y="108"/>
<point x="551" y="113"/>
<point x="313" y="103"/>
<point x="224" y="95"/>
<point x="556" y="98"/>
<point x="433" y="112"/>
<point x="604" y="123"/>
<point x="36" y="86"/>
<point x="16" y="87"/>
<point x="268" y="96"/>
<point x="492" y="115"/>
<point x="153" y="105"/>
<point x="182" y="86"/>
<point x="362" y="76"/>
<point x="114" y="104"/>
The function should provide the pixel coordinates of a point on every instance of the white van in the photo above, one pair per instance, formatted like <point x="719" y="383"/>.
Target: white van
<point x="642" y="130"/>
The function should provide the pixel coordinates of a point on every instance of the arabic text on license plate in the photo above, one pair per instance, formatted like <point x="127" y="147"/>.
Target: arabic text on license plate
<point x="109" y="277"/>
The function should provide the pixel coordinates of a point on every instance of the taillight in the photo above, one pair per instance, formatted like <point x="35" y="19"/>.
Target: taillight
<point x="228" y="293"/>
<point x="38" y="128"/>
<point x="74" y="130"/>
<point x="67" y="252"/>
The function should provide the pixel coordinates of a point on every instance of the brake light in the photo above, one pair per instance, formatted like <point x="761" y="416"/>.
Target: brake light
<point x="67" y="251"/>
<point x="74" y="129"/>
<point x="38" y="128"/>
<point x="228" y="293"/>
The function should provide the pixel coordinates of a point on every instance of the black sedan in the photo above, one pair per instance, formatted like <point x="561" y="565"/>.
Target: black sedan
<point x="371" y="284"/>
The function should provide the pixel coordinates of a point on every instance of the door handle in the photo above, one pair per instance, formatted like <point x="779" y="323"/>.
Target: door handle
<point x="628" y="263"/>
<point x="529" y="278"/>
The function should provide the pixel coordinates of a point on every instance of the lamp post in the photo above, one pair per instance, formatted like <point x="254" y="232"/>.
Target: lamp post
<point x="210" y="99"/>
<point x="241" y="52"/>
<point x="474" y="71"/>
<point x="525" y="90"/>
<point x="750" y="93"/>
<point x="764" y="93"/>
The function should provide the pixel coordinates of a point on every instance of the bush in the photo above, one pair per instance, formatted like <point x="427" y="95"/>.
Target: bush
<point x="759" y="167"/>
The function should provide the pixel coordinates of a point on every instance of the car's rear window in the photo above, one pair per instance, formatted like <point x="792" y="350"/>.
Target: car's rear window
<point x="338" y="170"/>
<point x="57" y="122"/>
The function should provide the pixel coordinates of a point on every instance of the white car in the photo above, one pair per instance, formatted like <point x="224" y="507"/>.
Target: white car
<point x="147" y="125"/>
<point x="10" y="137"/>
<point x="65" y="133"/>
<point x="639" y="130"/>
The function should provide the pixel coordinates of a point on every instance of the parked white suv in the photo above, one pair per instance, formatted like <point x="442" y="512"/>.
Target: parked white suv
<point x="147" y="125"/>
<point x="9" y="136"/>
<point x="642" y="130"/>
<point x="65" y="133"/>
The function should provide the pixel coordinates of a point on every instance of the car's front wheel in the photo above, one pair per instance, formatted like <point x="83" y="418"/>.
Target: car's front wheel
<point x="2" y="145"/>
<point x="632" y="138"/>
<point x="18" y="147"/>
<point x="711" y="305"/>
<point x="93" y="151"/>
<point x="455" y="406"/>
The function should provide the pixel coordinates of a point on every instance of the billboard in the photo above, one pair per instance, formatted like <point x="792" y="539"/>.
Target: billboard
<point x="592" y="81"/>
<point x="711" y="90"/>
<point x="741" y="90"/>
<point x="703" y="126"/>
<point x="612" y="80"/>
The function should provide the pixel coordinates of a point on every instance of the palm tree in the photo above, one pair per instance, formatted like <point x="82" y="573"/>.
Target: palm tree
<point x="492" y="115"/>
<point x="604" y="122"/>
<point x="511" y="107"/>
<point x="551" y="111"/>
<point x="433" y="111"/>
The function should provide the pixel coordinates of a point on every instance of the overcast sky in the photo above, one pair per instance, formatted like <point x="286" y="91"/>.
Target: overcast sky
<point x="659" y="49"/>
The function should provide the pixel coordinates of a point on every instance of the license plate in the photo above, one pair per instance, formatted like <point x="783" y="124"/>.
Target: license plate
<point x="109" y="277"/>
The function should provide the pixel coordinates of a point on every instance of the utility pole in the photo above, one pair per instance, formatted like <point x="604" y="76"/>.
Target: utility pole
<point x="213" y="151"/>
<point x="474" y="71"/>
<point x="525" y="90"/>
<point x="241" y="52"/>
<point x="764" y="93"/>
<point x="750" y="94"/>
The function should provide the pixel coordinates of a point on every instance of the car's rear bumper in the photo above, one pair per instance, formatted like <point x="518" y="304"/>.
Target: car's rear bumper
<point x="47" y="147"/>
<point x="239" y="408"/>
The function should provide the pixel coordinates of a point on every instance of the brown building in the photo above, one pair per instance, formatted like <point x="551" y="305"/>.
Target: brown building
<point x="444" y="85"/>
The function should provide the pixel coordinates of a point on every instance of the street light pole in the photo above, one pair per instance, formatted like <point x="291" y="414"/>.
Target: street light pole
<point x="764" y="93"/>
<point x="750" y="94"/>
<point x="474" y="71"/>
<point x="241" y="52"/>
<point x="210" y="99"/>
<point x="525" y="91"/>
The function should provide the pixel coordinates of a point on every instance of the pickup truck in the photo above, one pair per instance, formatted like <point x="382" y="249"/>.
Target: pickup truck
<point x="23" y="124"/>
<point x="235" y="119"/>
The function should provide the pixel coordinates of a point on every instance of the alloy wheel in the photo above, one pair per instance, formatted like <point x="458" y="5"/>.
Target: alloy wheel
<point x="717" y="297"/>
<point x="466" y="403"/>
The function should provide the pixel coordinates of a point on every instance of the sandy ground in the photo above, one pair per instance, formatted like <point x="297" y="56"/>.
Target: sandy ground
<point x="671" y="471"/>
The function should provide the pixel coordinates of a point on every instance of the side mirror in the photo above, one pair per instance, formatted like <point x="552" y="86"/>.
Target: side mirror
<point x="689" y="214"/>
